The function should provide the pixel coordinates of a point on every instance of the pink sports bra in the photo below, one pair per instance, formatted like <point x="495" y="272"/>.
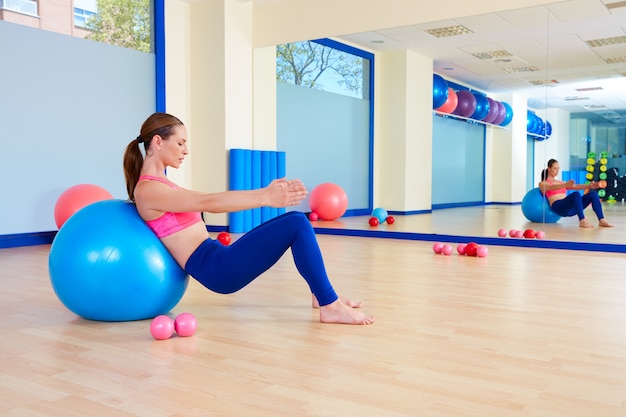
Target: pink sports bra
<point x="557" y="191"/>
<point x="169" y="223"/>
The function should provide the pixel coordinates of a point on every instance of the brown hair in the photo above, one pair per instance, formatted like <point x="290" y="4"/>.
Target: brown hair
<point x="544" y="173"/>
<point x="161" y="124"/>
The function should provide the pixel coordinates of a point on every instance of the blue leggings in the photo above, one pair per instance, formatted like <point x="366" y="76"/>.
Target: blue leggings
<point x="227" y="269"/>
<point x="574" y="204"/>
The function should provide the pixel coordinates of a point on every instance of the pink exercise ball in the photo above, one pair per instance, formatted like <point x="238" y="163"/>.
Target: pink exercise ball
<point x="329" y="201"/>
<point x="75" y="198"/>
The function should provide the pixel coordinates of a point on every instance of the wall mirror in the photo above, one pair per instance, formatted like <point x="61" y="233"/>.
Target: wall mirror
<point x="568" y="57"/>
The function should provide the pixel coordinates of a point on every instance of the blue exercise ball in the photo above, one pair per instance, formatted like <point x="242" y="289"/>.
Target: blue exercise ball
<point x="482" y="107"/>
<point x="106" y="264"/>
<point x="537" y="209"/>
<point x="381" y="214"/>
<point x="509" y="114"/>
<point x="440" y="91"/>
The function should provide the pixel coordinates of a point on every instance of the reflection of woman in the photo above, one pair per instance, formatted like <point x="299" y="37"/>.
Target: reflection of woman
<point x="573" y="204"/>
<point x="173" y="213"/>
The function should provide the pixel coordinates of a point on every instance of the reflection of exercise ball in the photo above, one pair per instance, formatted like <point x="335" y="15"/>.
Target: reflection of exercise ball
<point x="440" y="91"/>
<point x="537" y="209"/>
<point x="106" y="264"/>
<point x="329" y="201"/>
<point x="467" y="103"/>
<point x="381" y="214"/>
<point x="493" y="111"/>
<point x="508" y="114"/>
<point x="451" y="102"/>
<point x="548" y="129"/>
<point x="75" y="198"/>
<point x="482" y="107"/>
<point x="501" y="114"/>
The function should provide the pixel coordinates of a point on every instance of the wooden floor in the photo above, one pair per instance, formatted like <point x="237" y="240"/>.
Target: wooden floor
<point x="524" y="332"/>
<point x="485" y="221"/>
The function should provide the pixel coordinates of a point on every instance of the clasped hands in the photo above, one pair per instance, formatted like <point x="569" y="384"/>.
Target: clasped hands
<point x="283" y="192"/>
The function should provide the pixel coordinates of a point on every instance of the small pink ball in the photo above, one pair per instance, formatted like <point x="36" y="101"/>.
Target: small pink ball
<point x="482" y="251"/>
<point x="540" y="234"/>
<point x="162" y="327"/>
<point x="461" y="248"/>
<point x="185" y="324"/>
<point x="512" y="232"/>
<point x="437" y="247"/>
<point x="519" y="233"/>
<point x="313" y="216"/>
<point x="502" y="233"/>
<point x="446" y="249"/>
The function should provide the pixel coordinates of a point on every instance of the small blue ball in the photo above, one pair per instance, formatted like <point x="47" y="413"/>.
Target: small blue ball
<point x="381" y="214"/>
<point x="106" y="264"/>
<point x="537" y="209"/>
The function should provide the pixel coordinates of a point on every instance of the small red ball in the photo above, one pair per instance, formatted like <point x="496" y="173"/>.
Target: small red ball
<point x="471" y="249"/>
<point x="530" y="234"/>
<point x="390" y="220"/>
<point x="373" y="221"/>
<point x="224" y="238"/>
<point x="313" y="216"/>
<point x="437" y="247"/>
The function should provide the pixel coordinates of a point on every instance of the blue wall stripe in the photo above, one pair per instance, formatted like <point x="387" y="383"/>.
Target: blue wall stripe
<point x="159" y="53"/>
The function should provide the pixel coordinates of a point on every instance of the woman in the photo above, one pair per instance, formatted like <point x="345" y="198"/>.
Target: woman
<point x="173" y="213"/>
<point x="573" y="204"/>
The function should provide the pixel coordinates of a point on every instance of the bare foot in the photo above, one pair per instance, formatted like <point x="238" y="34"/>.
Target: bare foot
<point x="346" y="301"/>
<point x="604" y="223"/>
<point x="338" y="312"/>
<point x="585" y="223"/>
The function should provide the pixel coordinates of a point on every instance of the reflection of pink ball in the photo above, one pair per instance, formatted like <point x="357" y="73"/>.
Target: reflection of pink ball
<point x="540" y="234"/>
<point x="502" y="233"/>
<point x="446" y="249"/>
<point x="461" y="248"/>
<point x="329" y="201"/>
<point x="482" y="251"/>
<point x="313" y="216"/>
<point x="75" y="198"/>
<point x="185" y="324"/>
<point x="162" y="327"/>
<point x="437" y="247"/>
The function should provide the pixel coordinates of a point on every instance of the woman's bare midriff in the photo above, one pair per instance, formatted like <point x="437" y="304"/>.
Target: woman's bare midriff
<point x="183" y="243"/>
<point x="556" y="197"/>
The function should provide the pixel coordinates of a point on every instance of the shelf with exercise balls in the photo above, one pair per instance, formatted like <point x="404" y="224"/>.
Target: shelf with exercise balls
<point x="470" y="106"/>
<point x="536" y="127"/>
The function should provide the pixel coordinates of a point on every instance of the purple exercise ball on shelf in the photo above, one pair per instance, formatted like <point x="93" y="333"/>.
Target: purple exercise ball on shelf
<point x="501" y="114"/>
<point x="493" y="111"/>
<point x="467" y="103"/>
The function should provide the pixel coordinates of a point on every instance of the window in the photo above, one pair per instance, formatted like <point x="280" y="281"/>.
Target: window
<point x="81" y="16"/>
<point x="311" y="64"/>
<point x="20" y="6"/>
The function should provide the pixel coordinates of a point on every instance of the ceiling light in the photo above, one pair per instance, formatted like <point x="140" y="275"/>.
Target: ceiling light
<point x="616" y="5"/>
<point x="544" y="82"/>
<point x="616" y="60"/>
<point x="589" y="89"/>
<point x="377" y="41"/>
<point x="616" y="40"/>
<point x="492" y="54"/>
<point x="448" y="31"/>
<point x="530" y="68"/>
<point x="575" y="98"/>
